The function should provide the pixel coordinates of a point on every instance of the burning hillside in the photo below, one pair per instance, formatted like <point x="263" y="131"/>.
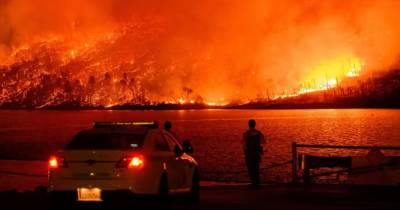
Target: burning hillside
<point x="116" y="52"/>
<point x="101" y="72"/>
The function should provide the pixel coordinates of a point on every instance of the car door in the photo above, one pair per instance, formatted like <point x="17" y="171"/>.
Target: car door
<point x="176" y="166"/>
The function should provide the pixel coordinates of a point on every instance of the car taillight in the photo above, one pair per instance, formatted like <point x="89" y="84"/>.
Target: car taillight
<point x="134" y="161"/>
<point x="57" y="162"/>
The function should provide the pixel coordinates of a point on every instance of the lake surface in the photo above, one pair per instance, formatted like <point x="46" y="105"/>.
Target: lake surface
<point x="215" y="134"/>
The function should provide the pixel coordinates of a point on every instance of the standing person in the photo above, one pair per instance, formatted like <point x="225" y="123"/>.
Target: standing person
<point x="168" y="127"/>
<point x="253" y="141"/>
<point x="186" y="143"/>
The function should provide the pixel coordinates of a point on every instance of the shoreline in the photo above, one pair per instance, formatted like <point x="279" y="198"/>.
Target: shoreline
<point x="249" y="106"/>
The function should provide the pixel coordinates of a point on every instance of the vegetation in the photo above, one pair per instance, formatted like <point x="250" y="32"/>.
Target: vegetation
<point x="378" y="91"/>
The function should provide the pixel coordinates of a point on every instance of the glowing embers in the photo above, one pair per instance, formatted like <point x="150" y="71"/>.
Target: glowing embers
<point x="354" y="72"/>
<point x="211" y="104"/>
<point x="182" y="101"/>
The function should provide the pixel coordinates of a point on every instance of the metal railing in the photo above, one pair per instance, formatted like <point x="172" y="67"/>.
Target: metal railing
<point x="14" y="173"/>
<point x="294" y="160"/>
<point x="295" y="146"/>
<point x="18" y="173"/>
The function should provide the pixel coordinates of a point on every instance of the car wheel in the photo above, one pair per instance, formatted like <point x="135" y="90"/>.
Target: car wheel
<point x="163" y="190"/>
<point x="194" y="194"/>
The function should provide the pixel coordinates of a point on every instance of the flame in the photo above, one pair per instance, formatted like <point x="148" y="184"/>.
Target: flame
<point x="182" y="101"/>
<point x="329" y="73"/>
<point x="211" y="104"/>
<point x="106" y="53"/>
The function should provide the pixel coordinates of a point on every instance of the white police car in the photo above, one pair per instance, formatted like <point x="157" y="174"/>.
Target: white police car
<point x="134" y="157"/>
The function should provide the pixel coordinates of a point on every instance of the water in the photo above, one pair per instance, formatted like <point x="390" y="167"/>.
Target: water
<point x="215" y="134"/>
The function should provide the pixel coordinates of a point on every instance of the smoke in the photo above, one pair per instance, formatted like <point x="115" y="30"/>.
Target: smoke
<point x="217" y="50"/>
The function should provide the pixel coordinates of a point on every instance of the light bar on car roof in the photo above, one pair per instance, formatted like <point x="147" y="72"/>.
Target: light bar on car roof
<point x="116" y="124"/>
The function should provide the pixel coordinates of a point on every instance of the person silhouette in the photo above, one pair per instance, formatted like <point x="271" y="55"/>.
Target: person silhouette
<point x="253" y="141"/>
<point x="186" y="143"/>
<point x="168" y="127"/>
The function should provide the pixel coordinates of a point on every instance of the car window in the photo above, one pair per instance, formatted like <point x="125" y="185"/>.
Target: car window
<point x="171" y="141"/>
<point x="161" y="144"/>
<point x="107" y="141"/>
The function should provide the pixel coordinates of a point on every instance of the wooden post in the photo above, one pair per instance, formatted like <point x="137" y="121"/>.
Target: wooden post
<point x="306" y="175"/>
<point x="294" y="162"/>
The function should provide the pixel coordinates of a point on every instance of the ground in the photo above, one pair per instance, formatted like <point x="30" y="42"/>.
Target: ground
<point x="237" y="197"/>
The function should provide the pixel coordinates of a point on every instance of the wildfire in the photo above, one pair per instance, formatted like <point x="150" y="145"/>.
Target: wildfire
<point x="182" y="101"/>
<point x="105" y="54"/>
<point x="329" y="73"/>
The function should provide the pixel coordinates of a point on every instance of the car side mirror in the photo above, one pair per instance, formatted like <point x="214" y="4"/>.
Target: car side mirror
<point x="187" y="147"/>
<point x="178" y="151"/>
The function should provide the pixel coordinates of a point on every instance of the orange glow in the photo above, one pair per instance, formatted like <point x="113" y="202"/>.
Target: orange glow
<point x="89" y="194"/>
<point x="104" y="54"/>
<point x="182" y="101"/>
<point x="329" y="73"/>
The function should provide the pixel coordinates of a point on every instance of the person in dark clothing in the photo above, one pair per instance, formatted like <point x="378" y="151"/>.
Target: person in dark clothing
<point x="186" y="143"/>
<point x="253" y="141"/>
<point x="168" y="127"/>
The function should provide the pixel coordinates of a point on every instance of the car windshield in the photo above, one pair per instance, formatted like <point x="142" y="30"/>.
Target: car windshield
<point x="104" y="141"/>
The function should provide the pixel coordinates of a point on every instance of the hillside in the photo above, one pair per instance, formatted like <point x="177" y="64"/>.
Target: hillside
<point x="378" y="91"/>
